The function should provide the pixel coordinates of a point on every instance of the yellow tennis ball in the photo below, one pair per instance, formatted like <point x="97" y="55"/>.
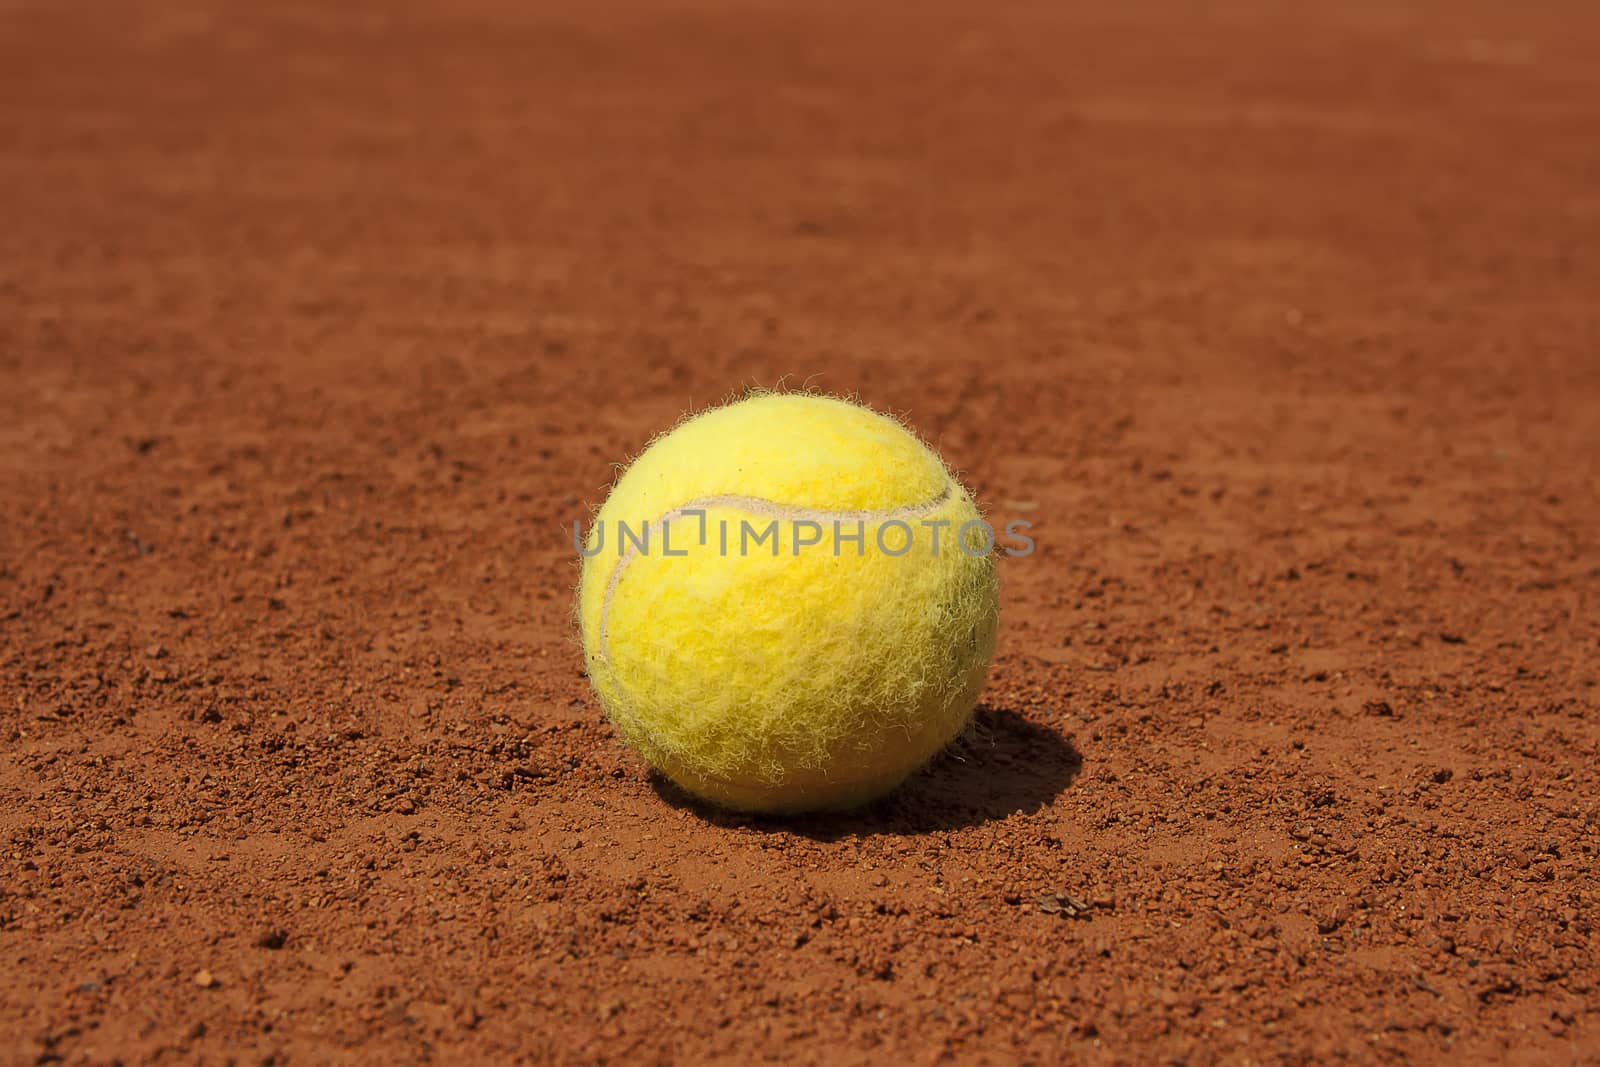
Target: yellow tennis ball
<point x="788" y="604"/>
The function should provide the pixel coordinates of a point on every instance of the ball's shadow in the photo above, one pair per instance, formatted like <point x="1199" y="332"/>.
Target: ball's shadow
<point x="1002" y="765"/>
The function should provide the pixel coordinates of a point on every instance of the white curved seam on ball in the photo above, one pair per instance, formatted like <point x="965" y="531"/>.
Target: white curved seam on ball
<point x="764" y="508"/>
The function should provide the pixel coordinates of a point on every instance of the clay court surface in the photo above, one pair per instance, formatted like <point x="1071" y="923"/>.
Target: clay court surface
<point x="320" y="324"/>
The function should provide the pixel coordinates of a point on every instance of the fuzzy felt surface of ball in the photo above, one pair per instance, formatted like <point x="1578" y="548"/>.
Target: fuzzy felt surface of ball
<point x="788" y="603"/>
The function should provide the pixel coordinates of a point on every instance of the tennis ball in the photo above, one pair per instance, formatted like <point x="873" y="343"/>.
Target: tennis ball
<point x="788" y="604"/>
